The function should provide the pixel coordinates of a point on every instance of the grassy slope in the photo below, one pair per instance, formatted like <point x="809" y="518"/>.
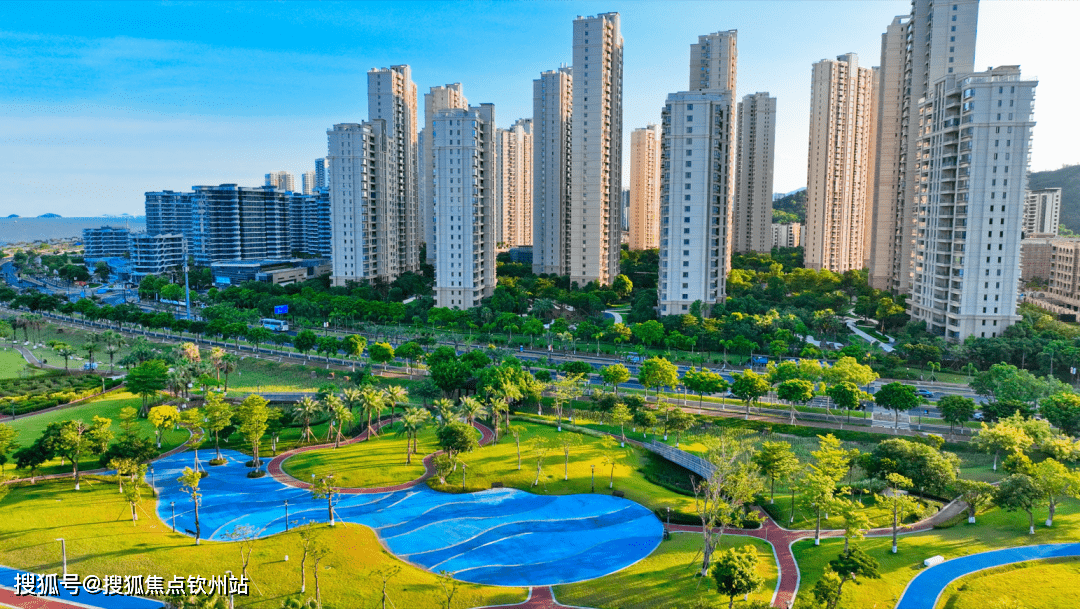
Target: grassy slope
<point x="1054" y="579"/>
<point x="995" y="529"/>
<point x="499" y="464"/>
<point x="12" y="363"/>
<point x="101" y="540"/>
<point x="668" y="575"/>
<point x="378" y="462"/>
<point x="30" y="427"/>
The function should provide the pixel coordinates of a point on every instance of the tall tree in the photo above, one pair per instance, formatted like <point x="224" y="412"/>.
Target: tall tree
<point x="736" y="573"/>
<point x="254" y="415"/>
<point x="146" y="380"/>
<point x="162" y="417"/>
<point x="956" y="409"/>
<point x="1019" y="492"/>
<point x="1055" y="482"/>
<point x="749" y="386"/>
<point x="657" y="372"/>
<point x="898" y="502"/>
<point x="615" y="375"/>
<point x="976" y="494"/>
<point x="304" y="413"/>
<point x="218" y="415"/>
<point x="1002" y="437"/>
<point x="776" y="461"/>
<point x="189" y="483"/>
<point x="795" y="391"/>
<point x="897" y="397"/>
<point x="703" y="381"/>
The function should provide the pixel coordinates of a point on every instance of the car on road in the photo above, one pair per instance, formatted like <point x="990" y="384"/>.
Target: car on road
<point x="89" y="366"/>
<point x="633" y="358"/>
<point x="978" y="416"/>
<point x="924" y="393"/>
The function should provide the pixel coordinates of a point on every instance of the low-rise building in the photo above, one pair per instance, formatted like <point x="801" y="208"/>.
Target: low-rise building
<point x="279" y="272"/>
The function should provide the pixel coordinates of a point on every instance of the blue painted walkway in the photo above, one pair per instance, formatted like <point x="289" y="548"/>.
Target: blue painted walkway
<point x="9" y="579"/>
<point x="923" y="591"/>
<point x="500" y="537"/>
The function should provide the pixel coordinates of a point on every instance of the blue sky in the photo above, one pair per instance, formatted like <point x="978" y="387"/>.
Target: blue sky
<point x="100" y="102"/>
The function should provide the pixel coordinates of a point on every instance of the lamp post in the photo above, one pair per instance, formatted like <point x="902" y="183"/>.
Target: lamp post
<point x="286" y="515"/>
<point x="153" y="480"/>
<point x="669" y="516"/>
<point x="172" y="504"/>
<point x="231" y="606"/>
<point x="463" y="477"/>
<point x="592" y="466"/>
<point x="63" y="552"/>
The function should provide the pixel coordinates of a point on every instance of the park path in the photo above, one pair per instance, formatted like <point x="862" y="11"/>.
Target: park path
<point x="275" y="466"/>
<point x="782" y="540"/>
<point x="539" y="598"/>
<point x="8" y="598"/>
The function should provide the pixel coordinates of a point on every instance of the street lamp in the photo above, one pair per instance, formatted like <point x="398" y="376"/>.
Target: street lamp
<point x="668" y="517"/>
<point x="286" y="515"/>
<point x="592" y="466"/>
<point x="462" y="476"/>
<point x="63" y="552"/>
<point x="172" y="504"/>
<point x="231" y="606"/>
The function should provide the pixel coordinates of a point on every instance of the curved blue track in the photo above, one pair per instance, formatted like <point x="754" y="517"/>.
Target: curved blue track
<point x="923" y="591"/>
<point x="502" y="537"/>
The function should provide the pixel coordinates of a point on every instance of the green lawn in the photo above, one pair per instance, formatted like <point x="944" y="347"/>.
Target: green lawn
<point x="668" y="576"/>
<point x="498" y="463"/>
<point x="1054" y="579"/>
<point x="101" y="540"/>
<point x="995" y="529"/>
<point x="13" y="364"/>
<point x="30" y="427"/>
<point x="372" y="463"/>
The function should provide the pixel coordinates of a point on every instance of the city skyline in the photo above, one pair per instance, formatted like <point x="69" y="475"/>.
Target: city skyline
<point x="139" y="106"/>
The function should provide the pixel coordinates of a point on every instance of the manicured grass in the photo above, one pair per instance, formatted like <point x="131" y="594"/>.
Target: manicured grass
<point x="379" y="461"/>
<point x="668" y="577"/>
<point x="995" y="529"/>
<point x="13" y="364"/>
<point x="101" y="540"/>
<point x="29" y="427"/>
<point x="498" y="463"/>
<point x="1040" y="584"/>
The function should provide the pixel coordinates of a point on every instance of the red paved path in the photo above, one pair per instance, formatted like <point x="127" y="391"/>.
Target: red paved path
<point x="9" y="599"/>
<point x="275" y="469"/>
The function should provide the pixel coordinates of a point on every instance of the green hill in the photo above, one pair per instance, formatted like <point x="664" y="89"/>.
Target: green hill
<point x="1068" y="180"/>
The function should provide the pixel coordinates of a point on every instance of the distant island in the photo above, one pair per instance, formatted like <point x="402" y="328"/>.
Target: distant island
<point x="50" y="216"/>
<point x="14" y="216"/>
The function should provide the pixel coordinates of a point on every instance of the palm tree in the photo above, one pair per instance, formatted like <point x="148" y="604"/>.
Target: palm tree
<point x="395" y="394"/>
<point x="471" y="408"/>
<point x="91" y="345"/>
<point x="113" y="340"/>
<point x="304" y="412"/>
<point x="331" y="404"/>
<point x="351" y="397"/>
<point x="371" y="403"/>
<point x="217" y="354"/>
<point x="498" y="406"/>
<point x="445" y="408"/>
<point x="409" y="424"/>
<point x="228" y="364"/>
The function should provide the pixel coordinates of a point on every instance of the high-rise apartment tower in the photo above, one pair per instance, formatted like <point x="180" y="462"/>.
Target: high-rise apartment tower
<point x="462" y="143"/>
<point x="973" y="165"/>
<point x="697" y="182"/>
<point x="936" y="39"/>
<point x="515" y="185"/>
<point x="840" y="164"/>
<point x="552" y="114"/>
<point x="645" y="188"/>
<point x="594" y="215"/>
<point x="1042" y="211"/>
<point x="751" y="219"/>
<point x="438" y="98"/>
